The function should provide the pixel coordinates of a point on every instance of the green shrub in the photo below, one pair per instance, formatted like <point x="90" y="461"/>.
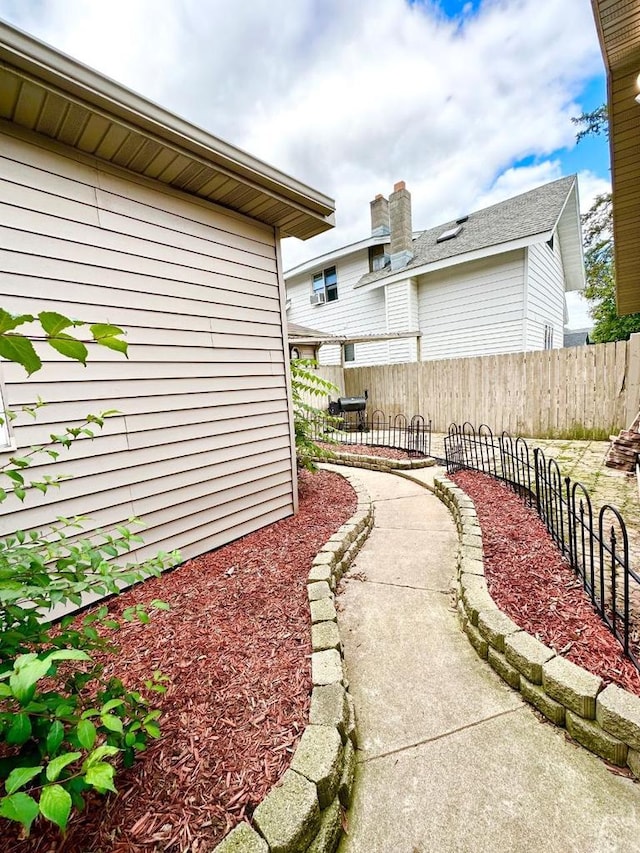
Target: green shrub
<point x="62" y="722"/>
<point x="305" y="384"/>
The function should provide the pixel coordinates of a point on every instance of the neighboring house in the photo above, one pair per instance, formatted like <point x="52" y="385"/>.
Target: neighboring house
<point x="114" y="210"/>
<point x="576" y="337"/>
<point x="492" y="281"/>
<point x="618" y="23"/>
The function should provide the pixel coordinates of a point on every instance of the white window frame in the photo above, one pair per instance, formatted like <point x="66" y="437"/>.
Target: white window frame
<point x="319" y="284"/>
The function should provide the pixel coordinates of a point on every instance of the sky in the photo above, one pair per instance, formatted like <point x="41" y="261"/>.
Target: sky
<point x="468" y="102"/>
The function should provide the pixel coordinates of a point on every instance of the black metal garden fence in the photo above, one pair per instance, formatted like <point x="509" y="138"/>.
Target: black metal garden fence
<point x="595" y="543"/>
<point x="378" y="429"/>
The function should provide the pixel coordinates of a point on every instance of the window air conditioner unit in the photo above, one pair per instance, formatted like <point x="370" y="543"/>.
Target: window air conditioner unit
<point x="317" y="298"/>
<point x="381" y="261"/>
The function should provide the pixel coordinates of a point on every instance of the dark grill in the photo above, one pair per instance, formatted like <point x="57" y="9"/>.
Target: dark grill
<point x="352" y="404"/>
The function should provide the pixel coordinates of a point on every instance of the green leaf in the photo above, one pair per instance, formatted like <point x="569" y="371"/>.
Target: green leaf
<point x="19" y="730"/>
<point x="152" y="729"/>
<point x="53" y="323"/>
<point x="86" y="732"/>
<point x="98" y="754"/>
<point x="20" y="776"/>
<point x="114" y="724"/>
<point x="69" y="347"/>
<point x="21" y="808"/>
<point x="55" y="805"/>
<point x="110" y="705"/>
<point x="160" y="605"/>
<point x="12" y="321"/>
<point x="67" y="654"/>
<point x="100" y="776"/>
<point x="27" y="671"/>
<point x="55" y="767"/>
<point x="20" y="350"/>
<point x="55" y="737"/>
<point x="109" y="336"/>
<point x="105" y="330"/>
<point x="114" y="344"/>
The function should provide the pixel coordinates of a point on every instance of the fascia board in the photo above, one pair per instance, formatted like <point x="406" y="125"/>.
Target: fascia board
<point x="19" y="50"/>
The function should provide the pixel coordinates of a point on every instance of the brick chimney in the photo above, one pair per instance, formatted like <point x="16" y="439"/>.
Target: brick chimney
<point x="401" y="232"/>
<point x="379" y="216"/>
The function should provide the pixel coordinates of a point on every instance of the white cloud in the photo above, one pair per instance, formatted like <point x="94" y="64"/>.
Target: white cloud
<point x="578" y="311"/>
<point x="590" y="186"/>
<point x="351" y="97"/>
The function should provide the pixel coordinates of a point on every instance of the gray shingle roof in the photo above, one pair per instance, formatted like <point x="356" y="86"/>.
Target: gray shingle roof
<point x="533" y="212"/>
<point x="576" y="338"/>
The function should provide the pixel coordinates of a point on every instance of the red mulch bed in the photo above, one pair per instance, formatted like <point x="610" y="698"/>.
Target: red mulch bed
<point x="365" y="450"/>
<point x="236" y="646"/>
<point x="535" y="586"/>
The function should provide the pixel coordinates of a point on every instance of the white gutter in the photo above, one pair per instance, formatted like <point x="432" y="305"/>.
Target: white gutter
<point x="20" y="50"/>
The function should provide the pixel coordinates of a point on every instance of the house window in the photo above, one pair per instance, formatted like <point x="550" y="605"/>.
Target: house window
<point x="349" y="352"/>
<point x="548" y="336"/>
<point x="326" y="282"/>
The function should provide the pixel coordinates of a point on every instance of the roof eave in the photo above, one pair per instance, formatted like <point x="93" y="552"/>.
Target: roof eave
<point x="335" y="255"/>
<point x="50" y="71"/>
<point x="618" y="25"/>
<point x="569" y="227"/>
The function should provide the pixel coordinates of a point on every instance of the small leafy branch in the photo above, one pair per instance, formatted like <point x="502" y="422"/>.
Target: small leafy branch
<point x="14" y="468"/>
<point x="19" y="348"/>
<point x="305" y="384"/>
<point x="63" y="724"/>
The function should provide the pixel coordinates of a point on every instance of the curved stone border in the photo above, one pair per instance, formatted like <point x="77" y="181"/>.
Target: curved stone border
<point x="303" y="811"/>
<point x="605" y="721"/>
<point x="375" y="463"/>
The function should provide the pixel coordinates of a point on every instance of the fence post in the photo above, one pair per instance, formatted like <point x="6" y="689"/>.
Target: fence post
<point x="536" y="460"/>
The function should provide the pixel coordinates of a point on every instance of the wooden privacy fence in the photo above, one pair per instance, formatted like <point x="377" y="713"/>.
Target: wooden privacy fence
<point x="577" y="392"/>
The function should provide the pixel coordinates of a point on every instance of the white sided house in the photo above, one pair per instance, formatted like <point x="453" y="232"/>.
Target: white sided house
<point x="493" y="281"/>
<point x="113" y="210"/>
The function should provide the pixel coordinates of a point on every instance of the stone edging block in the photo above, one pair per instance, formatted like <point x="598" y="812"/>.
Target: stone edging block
<point x="605" y="721"/>
<point x="375" y="463"/>
<point x="303" y="811"/>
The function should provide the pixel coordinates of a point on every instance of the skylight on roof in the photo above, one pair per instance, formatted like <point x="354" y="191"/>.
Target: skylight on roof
<point x="449" y="234"/>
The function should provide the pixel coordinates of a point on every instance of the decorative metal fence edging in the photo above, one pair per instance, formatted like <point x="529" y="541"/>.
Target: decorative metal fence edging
<point x="595" y="544"/>
<point x="400" y="432"/>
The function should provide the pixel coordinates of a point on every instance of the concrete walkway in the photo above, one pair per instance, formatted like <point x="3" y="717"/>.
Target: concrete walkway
<point x="451" y="759"/>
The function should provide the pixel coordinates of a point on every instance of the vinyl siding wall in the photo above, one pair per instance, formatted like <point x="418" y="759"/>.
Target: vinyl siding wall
<point x="476" y="308"/>
<point x="545" y="295"/>
<point x="353" y="313"/>
<point x="201" y="447"/>
<point x="402" y="315"/>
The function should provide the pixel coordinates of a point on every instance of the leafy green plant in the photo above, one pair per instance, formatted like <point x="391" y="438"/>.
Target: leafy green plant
<point x="18" y="347"/>
<point x="63" y="724"/>
<point x="307" y="385"/>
